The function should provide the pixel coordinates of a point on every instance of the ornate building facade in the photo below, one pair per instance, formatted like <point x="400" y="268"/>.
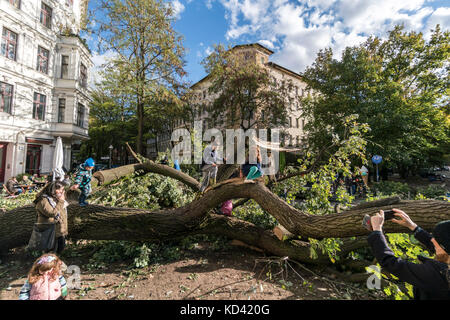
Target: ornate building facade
<point x="44" y="76"/>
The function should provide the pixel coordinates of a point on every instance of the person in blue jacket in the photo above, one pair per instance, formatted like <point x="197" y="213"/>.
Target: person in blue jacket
<point x="83" y="180"/>
<point x="176" y="165"/>
<point x="431" y="278"/>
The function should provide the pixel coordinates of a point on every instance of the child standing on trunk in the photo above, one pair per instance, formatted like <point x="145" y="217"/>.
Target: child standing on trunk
<point x="83" y="180"/>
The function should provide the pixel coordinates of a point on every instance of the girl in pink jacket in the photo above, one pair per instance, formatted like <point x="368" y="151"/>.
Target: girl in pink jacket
<point x="45" y="281"/>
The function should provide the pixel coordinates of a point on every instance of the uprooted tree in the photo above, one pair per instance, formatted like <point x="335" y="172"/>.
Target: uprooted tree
<point x="96" y="222"/>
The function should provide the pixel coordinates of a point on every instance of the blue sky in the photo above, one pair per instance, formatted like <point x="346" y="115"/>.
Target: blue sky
<point x="294" y="30"/>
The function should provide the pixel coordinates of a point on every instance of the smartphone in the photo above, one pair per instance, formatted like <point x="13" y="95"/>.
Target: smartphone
<point x="389" y="214"/>
<point x="366" y="222"/>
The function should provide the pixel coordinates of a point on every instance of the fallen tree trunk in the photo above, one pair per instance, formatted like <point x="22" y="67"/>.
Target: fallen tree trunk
<point x="110" y="223"/>
<point x="107" y="176"/>
<point x="106" y="223"/>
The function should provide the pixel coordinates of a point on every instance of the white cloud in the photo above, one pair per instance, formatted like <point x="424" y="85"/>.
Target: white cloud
<point x="267" y="43"/>
<point x="302" y="28"/>
<point x="209" y="4"/>
<point x="440" y="16"/>
<point x="178" y="8"/>
<point x="208" y="51"/>
<point x="99" y="60"/>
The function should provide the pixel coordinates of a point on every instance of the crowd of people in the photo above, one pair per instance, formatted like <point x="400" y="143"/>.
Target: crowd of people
<point x="45" y="281"/>
<point x="14" y="188"/>
<point x="356" y="184"/>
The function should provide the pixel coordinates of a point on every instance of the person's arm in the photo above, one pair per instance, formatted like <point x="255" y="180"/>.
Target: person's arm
<point x="25" y="291"/>
<point x="422" y="275"/>
<point x="423" y="236"/>
<point x="419" y="275"/>
<point x="77" y="181"/>
<point x="45" y="208"/>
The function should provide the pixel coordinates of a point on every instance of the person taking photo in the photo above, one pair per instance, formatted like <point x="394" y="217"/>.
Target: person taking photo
<point x="431" y="278"/>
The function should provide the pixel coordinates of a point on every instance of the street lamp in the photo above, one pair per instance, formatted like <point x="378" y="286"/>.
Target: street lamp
<point x="110" y="153"/>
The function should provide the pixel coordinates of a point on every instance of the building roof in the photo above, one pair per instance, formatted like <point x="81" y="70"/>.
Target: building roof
<point x="270" y="64"/>
<point x="281" y="68"/>
<point x="254" y="45"/>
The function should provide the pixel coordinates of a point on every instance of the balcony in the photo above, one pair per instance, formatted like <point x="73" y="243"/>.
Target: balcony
<point x="72" y="84"/>
<point x="69" y="130"/>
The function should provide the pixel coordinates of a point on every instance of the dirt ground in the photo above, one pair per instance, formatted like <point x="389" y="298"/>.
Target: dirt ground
<point x="235" y="273"/>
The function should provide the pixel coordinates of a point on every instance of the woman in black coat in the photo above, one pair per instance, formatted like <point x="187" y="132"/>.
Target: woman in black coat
<point x="431" y="278"/>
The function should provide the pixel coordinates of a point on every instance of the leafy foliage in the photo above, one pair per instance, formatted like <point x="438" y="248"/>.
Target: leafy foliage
<point x="391" y="188"/>
<point x="433" y="192"/>
<point x="146" y="65"/>
<point x="150" y="191"/>
<point x="330" y="246"/>
<point x="141" y="254"/>
<point x="244" y="91"/>
<point x="317" y="185"/>
<point x="398" y="86"/>
<point x="253" y="213"/>
<point x="17" y="202"/>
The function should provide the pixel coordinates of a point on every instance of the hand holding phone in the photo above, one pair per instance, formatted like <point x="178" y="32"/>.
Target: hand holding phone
<point x="366" y="223"/>
<point x="389" y="214"/>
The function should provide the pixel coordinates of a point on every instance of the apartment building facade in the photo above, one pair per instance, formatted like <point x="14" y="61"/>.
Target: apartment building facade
<point x="293" y="133"/>
<point x="44" y="93"/>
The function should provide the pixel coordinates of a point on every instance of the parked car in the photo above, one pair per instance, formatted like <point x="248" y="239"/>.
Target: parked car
<point x="431" y="174"/>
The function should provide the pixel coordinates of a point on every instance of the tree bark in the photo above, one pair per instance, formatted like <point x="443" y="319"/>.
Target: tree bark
<point x="107" y="176"/>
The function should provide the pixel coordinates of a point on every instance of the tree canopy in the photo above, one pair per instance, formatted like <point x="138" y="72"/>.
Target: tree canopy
<point x="245" y="94"/>
<point x="398" y="86"/>
<point x="147" y="62"/>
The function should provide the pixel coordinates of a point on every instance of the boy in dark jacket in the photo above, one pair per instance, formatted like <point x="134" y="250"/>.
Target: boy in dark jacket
<point x="431" y="278"/>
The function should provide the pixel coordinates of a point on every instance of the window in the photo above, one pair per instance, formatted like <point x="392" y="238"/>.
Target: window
<point x="80" y="115"/>
<point x="83" y="75"/>
<point x="64" y="67"/>
<point x="15" y="3"/>
<point x="39" y="106"/>
<point x="290" y="122"/>
<point x="9" y="44"/>
<point x="303" y="124"/>
<point x="262" y="60"/>
<point x="42" y="60"/>
<point x="61" y="109"/>
<point x="297" y="122"/>
<point x="46" y="15"/>
<point x="6" y="94"/>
